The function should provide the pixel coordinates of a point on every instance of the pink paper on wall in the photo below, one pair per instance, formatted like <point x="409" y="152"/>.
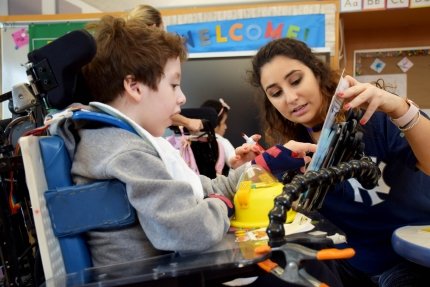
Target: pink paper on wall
<point x="20" y="38"/>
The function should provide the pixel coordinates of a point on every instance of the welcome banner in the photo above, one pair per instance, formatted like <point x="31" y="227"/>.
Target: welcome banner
<point x="252" y="33"/>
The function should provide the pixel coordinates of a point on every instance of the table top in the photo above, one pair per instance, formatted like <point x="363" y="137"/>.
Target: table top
<point x="227" y="254"/>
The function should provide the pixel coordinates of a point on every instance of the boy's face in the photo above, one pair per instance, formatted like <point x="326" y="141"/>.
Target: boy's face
<point x="159" y="106"/>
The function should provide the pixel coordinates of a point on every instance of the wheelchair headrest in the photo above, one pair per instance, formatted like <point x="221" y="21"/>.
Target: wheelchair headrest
<point x="56" y="69"/>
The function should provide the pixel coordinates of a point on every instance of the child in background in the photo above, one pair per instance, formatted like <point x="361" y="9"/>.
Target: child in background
<point x="147" y="16"/>
<point x="221" y="108"/>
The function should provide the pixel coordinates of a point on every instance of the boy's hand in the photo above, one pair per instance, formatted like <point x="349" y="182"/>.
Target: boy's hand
<point x="245" y="153"/>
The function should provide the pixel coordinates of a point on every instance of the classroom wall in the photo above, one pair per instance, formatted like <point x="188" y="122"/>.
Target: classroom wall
<point x="24" y="7"/>
<point x="392" y="29"/>
<point x="203" y="78"/>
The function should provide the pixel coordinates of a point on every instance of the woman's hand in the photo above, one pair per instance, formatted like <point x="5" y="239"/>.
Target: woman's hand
<point x="372" y="98"/>
<point x="194" y="125"/>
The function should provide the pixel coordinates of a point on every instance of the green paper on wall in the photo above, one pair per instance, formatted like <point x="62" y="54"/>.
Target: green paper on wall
<point x="42" y="34"/>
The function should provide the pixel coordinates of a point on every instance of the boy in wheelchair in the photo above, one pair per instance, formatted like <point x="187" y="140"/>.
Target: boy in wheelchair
<point x="135" y="76"/>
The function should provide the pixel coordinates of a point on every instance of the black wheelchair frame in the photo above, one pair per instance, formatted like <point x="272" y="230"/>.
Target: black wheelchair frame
<point x="55" y="81"/>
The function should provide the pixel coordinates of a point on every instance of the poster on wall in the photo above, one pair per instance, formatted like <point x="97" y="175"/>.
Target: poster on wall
<point x="412" y="62"/>
<point x="251" y="33"/>
<point x="394" y="83"/>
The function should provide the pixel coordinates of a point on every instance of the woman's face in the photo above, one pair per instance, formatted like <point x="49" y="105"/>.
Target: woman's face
<point x="293" y="90"/>
<point x="222" y="127"/>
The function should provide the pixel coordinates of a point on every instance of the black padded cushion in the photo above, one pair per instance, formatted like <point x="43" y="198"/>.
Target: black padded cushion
<point x="65" y="56"/>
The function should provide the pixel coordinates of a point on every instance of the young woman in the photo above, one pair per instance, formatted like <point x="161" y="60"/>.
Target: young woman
<point x="296" y="90"/>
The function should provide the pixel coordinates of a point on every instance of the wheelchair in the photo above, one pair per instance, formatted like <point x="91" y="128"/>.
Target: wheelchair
<point x="55" y="82"/>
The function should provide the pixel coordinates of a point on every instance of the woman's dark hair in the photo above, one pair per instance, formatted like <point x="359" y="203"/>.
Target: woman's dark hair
<point x="277" y="128"/>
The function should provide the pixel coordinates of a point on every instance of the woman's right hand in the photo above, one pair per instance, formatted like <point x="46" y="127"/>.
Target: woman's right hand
<point x="371" y="98"/>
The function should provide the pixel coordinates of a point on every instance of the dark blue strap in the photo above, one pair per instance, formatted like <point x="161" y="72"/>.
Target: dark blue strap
<point x="97" y="119"/>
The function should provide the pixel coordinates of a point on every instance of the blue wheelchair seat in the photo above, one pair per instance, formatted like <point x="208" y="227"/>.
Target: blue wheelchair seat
<point x="76" y="209"/>
<point x="62" y="211"/>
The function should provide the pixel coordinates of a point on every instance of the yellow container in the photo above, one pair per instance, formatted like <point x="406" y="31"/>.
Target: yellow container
<point x="254" y="199"/>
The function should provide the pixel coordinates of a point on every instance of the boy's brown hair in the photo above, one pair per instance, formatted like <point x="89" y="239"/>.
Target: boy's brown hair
<point x="125" y="47"/>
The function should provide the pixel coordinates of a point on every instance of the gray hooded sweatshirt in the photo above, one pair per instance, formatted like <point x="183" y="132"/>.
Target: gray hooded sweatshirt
<point x="170" y="217"/>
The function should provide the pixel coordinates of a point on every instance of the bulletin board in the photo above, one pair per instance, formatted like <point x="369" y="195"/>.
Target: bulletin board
<point x="414" y="63"/>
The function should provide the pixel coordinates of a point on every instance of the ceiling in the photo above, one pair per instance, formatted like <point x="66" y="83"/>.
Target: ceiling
<point x="123" y="5"/>
<point x="113" y="5"/>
